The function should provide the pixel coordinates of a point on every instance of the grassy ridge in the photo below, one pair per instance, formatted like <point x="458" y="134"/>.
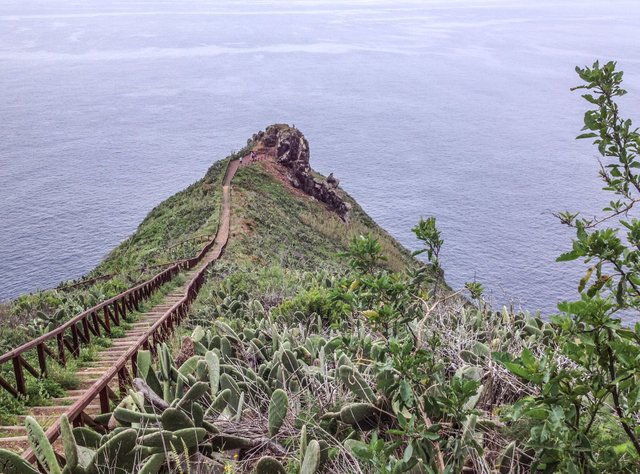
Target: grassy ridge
<point x="272" y="223"/>
<point x="158" y="239"/>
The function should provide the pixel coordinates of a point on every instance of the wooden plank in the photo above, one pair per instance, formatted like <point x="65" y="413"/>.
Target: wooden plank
<point x="106" y="323"/>
<point x="134" y="364"/>
<point x="69" y="344"/>
<point x="48" y="350"/>
<point x="30" y="368"/>
<point x="75" y="341"/>
<point x="19" y="374"/>
<point x="123" y="379"/>
<point x="8" y="387"/>
<point x="42" y="361"/>
<point x="116" y="313"/>
<point x="104" y="401"/>
<point x="112" y="394"/>
<point x="61" y="356"/>
<point x="90" y="422"/>
<point x="87" y="332"/>
<point x="94" y="325"/>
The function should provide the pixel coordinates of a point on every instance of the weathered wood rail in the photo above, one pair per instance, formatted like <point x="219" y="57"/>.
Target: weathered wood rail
<point x="67" y="340"/>
<point x="109" y="276"/>
<point x="79" y="330"/>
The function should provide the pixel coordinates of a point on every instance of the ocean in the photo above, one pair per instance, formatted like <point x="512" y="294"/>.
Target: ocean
<point x="457" y="109"/>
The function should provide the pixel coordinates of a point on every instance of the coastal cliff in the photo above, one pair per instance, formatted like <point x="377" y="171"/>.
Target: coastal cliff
<point x="292" y="151"/>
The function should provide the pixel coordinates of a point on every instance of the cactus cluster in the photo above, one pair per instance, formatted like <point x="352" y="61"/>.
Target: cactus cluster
<point x="277" y="393"/>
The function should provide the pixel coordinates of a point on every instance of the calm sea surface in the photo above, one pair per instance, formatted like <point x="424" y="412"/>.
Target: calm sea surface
<point x="458" y="109"/>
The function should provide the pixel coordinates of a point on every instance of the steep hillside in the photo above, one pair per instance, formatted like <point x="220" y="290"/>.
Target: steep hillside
<point x="275" y="223"/>
<point x="173" y="230"/>
<point x="319" y="345"/>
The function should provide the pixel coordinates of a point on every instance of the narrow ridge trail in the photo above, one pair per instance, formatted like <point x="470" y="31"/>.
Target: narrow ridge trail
<point x="14" y="437"/>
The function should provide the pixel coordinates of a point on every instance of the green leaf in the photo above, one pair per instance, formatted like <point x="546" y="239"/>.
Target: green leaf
<point x="590" y="122"/>
<point x="518" y="370"/>
<point x="587" y="135"/>
<point x="528" y="359"/>
<point x="408" y="452"/>
<point x="537" y="413"/>
<point x="568" y="256"/>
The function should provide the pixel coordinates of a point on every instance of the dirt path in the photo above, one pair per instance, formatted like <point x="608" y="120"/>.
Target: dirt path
<point x="14" y="437"/>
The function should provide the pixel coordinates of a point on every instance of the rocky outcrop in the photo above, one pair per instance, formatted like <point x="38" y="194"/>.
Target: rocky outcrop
<point x="292" y="151"/>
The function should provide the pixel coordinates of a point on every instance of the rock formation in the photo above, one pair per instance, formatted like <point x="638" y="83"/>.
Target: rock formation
<point x="292" y="151"/>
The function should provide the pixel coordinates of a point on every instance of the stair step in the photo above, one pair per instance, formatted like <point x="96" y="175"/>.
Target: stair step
<point x="17" y="444"/>
<point x="58" y="410"/>
<point x="70" y="400"/>
<point x="9" y="431"/>
<point x="44" y="420"/>
<point x="14" y="437"/>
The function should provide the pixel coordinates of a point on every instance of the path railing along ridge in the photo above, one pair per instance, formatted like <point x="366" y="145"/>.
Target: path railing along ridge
<point x="158" y="332"/>
<point x="109" y="276"/>
<point x="153" y="336"/>
<point x="79" y="330"/>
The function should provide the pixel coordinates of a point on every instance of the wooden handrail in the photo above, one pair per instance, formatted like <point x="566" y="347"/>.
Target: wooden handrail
<point x="100" y="315"/>
<point x="157" y="333"/>
<point x="78" y="318"/>
<point x="91" y="281"/>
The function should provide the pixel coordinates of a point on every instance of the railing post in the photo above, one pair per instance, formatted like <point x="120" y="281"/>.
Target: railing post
<point x="107" y="319"/>
<point x="77" y="421"/>
<point x="96" y="325"/>
<point x="42" y="361"/>
<point x="75" y="340"/>
<point x="122" y="381"/>
<point x="134" y="364"/>
<point x="123" y="309"/>
<point x="136" y="300"/>
<point x="116" y="314"/>
<point x="104" y="400"/>
<point x="85" y="329"/>
<point x="61" y="356"/>
<point x="19" y="373"/>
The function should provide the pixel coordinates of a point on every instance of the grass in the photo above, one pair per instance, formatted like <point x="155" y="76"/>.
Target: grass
<point x="187" y="214"/>
<point x="271" y="225"/>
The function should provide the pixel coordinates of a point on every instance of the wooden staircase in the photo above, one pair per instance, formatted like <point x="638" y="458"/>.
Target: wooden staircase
<point x="14" y="437"/>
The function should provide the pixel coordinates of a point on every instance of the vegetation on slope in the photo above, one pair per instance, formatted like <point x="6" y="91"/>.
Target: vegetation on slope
<point x="176" y="229"/>
<point x="172" y="231"/>
<point x="318" y="347"/>
<point x="274" y="223"/>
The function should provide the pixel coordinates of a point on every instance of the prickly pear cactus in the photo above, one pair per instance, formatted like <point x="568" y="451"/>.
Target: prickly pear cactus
<point x="269" y="465"/>
<point x="278" y="408"/>
<point x="11" y="463"/>
<point x="69" y="443"/>
<point x="311" y="461"/>
<point x="356" y="383"/>
<point x="42" y="447"/>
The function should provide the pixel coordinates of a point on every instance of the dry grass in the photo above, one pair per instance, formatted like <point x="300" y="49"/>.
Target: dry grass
<point x="335" y="229"/>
